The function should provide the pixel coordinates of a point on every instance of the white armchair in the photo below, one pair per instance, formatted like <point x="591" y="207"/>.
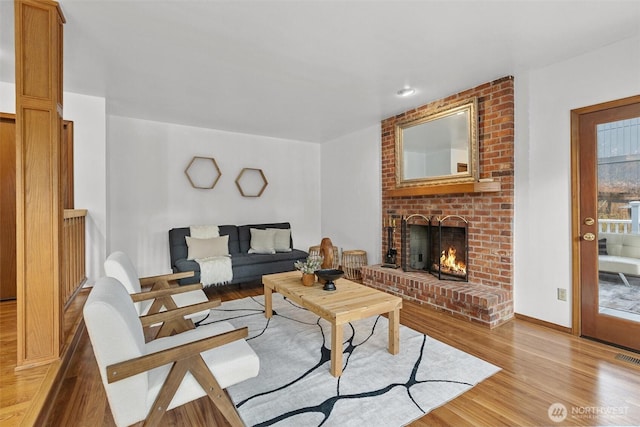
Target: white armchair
<point x="162" y="295"/>
<point x="143" y="380"/>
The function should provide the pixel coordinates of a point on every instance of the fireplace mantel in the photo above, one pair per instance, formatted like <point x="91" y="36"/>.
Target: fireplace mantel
<point x="467" y="187"/>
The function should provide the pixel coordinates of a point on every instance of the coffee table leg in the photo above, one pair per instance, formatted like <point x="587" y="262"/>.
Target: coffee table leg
<point x="268" y="310"/>
<point x="336" y="350"/>
<point x="394" y="331"/>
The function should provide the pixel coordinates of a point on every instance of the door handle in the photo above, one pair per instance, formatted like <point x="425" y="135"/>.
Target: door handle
<point x="589" y="237"/>
<point x="589" y="221"/>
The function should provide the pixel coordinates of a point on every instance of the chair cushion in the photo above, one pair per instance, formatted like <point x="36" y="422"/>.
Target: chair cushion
<point x="230" y="363"/>
<point x="119" y="266"/>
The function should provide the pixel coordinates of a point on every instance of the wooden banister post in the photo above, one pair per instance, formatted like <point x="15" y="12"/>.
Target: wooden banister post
<point x="39" y="209"/>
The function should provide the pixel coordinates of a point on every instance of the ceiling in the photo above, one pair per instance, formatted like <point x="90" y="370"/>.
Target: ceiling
<point x="309" y="70"/>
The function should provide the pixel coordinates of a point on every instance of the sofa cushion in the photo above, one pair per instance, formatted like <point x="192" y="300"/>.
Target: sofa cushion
<point x="178" y="247"/>
<point x="622" y="244"/>
<point x="244" y="234"/>
<point x="246" y="259"/>
<point x="619" y="264"/>
<point x="205" y="248"/>
<point x="282" y="239"/>
<point x="262" y="241"/>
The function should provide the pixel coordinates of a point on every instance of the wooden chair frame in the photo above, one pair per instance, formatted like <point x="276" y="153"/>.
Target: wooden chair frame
<point x="161" y="292"/>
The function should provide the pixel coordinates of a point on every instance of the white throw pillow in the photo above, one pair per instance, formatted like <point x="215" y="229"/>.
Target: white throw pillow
<point x="205" y="248"/>
<point x="262" y="241"/>
<point x="282" y="240"/>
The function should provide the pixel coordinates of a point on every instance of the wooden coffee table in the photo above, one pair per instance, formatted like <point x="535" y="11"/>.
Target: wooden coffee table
<point x="350" y="301"/>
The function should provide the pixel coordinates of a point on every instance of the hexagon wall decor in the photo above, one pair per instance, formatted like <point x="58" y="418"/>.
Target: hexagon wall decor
<point x="203" y="172"/>
<point x="251" y="182"/>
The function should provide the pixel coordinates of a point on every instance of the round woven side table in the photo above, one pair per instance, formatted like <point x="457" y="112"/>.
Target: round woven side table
<point x="352" y="262"/>
<point x="315" y="250"/>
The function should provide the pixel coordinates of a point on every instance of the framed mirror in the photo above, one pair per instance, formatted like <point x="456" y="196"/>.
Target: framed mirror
<point x="441" y="148"/>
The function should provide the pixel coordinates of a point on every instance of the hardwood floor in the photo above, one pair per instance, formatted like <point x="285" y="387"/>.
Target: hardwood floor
<point x="540" y="367"/>
<point x="24" y="393"/>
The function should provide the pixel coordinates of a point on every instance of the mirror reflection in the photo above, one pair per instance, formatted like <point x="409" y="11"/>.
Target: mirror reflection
<point x="441" y="147"/>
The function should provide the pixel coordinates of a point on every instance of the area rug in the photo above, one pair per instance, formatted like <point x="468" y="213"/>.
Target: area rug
<point x="614" y="294"/>
<point x="294" y="386"/>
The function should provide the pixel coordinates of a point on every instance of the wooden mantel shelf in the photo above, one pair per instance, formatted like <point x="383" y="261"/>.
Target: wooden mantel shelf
<point x="466" y="187"/>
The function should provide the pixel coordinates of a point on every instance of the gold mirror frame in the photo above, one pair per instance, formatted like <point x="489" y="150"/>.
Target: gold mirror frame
<point x="470" y="175"/>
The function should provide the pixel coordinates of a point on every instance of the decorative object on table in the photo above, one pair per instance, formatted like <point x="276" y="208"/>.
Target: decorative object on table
<point x="352" y="263"/>
<point x="392" y="252"/>
<point x="203" y="172"/>
<point x="315" y="250"/>
<point x="294" y="386"/>
<point x="308" y="279"/>
<point x="326" y="252"/>
<point x="308" y="268"/>
<point x="327" y="276"/>
<point x="251" y="182"/>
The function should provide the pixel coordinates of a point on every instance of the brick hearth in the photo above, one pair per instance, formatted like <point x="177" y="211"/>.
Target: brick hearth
<point x="487" y="305"/>
<point x="488" y="296"/>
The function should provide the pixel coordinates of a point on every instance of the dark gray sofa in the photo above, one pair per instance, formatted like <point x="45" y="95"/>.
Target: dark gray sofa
<point x="246" y="267"/>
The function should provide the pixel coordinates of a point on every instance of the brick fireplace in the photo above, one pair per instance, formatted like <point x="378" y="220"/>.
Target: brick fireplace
<point x="487" y="297"/>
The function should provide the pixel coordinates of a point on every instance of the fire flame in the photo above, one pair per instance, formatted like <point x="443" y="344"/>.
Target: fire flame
<point x="449" y="262"/>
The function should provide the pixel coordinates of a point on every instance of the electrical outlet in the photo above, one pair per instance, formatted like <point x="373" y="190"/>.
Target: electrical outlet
<point x="562" y="294"/>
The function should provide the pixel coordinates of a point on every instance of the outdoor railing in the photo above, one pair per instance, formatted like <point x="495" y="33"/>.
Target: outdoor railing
<point x="73" y="258"/>
<point x="614" y="226"/>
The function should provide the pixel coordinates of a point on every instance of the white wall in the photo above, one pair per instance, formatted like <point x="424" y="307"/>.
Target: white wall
<point x="90" y="173"/>
<point x="149" y="192"/>
<point x="544" y="99"/>
<point x="351" y="192"/>
<point x="88" y="116"/>
<point x="7" y="97"/>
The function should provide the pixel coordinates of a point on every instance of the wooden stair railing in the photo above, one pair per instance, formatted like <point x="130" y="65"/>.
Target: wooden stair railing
<point x="73" y="267"/>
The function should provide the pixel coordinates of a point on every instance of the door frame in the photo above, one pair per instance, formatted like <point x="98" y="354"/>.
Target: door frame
<point x="576" y="303"/>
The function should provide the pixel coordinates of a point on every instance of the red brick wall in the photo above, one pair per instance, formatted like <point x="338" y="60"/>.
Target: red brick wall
<point x="490" y="215"/>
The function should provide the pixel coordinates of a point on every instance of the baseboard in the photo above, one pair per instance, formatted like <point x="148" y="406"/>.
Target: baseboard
<point x="543" y="323"/>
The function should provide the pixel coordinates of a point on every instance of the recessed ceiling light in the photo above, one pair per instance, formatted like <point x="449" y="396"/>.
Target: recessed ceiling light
<point x="406" y="91"/>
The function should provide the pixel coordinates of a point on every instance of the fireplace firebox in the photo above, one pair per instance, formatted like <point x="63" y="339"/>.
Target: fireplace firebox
<point x="436" y="245"/>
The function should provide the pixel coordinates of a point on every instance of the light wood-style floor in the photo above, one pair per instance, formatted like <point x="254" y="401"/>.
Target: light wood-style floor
<point x="540" y="367"/>
<point x="23" y="392"/>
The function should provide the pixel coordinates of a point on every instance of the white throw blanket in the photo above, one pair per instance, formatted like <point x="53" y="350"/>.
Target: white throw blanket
<point x="204" y="231"/>
<point x="215" y="270"/>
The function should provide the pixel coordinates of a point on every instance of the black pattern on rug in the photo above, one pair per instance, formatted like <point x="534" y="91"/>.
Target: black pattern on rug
<point x="398" y="394"/>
